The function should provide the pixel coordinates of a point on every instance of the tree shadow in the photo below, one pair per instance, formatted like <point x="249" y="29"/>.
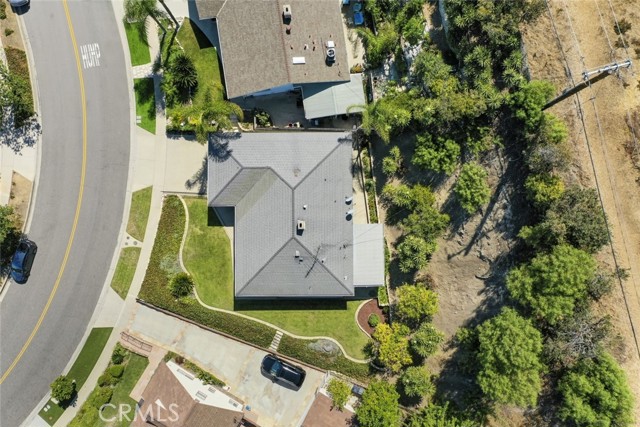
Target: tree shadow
<point x="199" y="179"/>
<point x="25" y="136"/>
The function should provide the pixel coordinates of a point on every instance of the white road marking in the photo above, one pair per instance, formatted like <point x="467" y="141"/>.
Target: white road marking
<point x="90" y="55"/>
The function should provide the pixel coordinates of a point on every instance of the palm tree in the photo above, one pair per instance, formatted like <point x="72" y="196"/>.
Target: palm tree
<point x="140" y="10"/>
<point x="170" y="13"/>
<point x="211" y="116"/>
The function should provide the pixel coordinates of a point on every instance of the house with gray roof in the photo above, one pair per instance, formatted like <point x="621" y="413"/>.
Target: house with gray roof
<point x="294" y="231"/>
<point x="274" y="46"/>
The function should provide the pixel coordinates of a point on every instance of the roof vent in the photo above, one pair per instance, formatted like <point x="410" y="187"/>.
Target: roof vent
<point x="331" y="51"/>
<point x="297" y="254"/>
<point x="286" y="11"/>
<point x="301" y="225"/>
<point x="349" y="214"/>
<point x="348" y="200"/>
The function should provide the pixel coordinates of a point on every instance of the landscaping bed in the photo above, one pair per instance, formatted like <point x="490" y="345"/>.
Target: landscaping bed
<point x="367" y="310"/>
<point x="164" y="263"/>
<point x="207" y="257"/>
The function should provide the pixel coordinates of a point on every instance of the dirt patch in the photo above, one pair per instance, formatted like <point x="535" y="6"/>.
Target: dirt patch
<point x="20" y="196"/>
<point x="9" y="29"/>
<point x="368" y="309"/>
<point x="586" y="39"/>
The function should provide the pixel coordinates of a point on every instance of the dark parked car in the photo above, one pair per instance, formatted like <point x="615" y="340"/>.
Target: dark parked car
<point x="23" y="260"/>
<point x="279" y="370"/>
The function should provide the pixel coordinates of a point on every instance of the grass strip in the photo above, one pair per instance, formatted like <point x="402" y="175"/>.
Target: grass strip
<point x="138" y="43"/>
<point x="125" y="270"/>
<point x="145" y="103"/>
<point x="139" y="213"/>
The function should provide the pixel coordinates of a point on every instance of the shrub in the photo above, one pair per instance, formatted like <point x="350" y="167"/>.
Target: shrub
<point x="392" y="346"/>
<point x="373" y="320"/>
<point x="544" y="189"/>
<point x="426" y="340"/>
<point x="339" y="392"/>
<point x="414" y="253"/>
<point x="8" y="32"/>
<point x="416" y="382"/>
<point x="181" y="285"/>
<point x="3" y="10"/>
<point x="115" y="370"/>
<point x="472" y="188"/>
<point x="263" y="119"/>
<point x="106" y="379"/>
<point x="62" y="389"/>
<point x="383" y="297"/>
<point x="118" y="355"/>
<point x="99" y="397"/>
<point x="622" y="26"/>
<point x="416" y="303"/>
<point x="379" y="406"/>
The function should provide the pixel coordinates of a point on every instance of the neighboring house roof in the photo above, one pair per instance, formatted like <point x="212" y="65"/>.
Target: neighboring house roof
<point x="175" y="398"/>
<point x="323" y="414"/>
<point x="274" y="180"/>
<point x="331" y="99"/>
<point x="258" y="52"/>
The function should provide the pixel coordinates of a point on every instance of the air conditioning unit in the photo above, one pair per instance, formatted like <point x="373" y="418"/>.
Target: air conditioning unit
<point x="301" y="225"/>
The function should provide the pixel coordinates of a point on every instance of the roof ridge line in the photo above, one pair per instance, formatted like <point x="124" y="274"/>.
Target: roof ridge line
<point x="264" y="266"/>
<point x="322" y="264"/>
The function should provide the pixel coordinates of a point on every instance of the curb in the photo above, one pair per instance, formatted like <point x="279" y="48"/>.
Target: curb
<point x="358" y="312"/>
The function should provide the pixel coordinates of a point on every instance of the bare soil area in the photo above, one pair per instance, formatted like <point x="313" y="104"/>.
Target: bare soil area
<point x="577" y="36"/>
<point x="9" y="29"/>
<point x="20" y="196"/>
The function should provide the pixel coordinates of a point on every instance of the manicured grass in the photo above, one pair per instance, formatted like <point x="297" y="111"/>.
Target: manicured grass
<point x="133" y="370"/>
<point x="164" y="263"/>
<point x="138" y="44"/>
<point x="139" y="213"/>
<point x="205" y="59"/>
<point x="125" y="270"/>
<point x="207" y="255"/>
<point x="81" y="368"/>
<point x="145" y="103"/>
<point x="89" y="355"/>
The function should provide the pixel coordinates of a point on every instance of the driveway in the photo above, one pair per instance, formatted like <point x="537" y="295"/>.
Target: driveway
<point x="236" y="364"/>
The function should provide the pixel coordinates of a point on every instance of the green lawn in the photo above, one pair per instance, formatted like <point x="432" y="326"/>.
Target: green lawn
<point x="139" y="213"/>
<point x="81" y="368"/>
<point x="145" y="103"/>
<point x="205" y="59"/>
<point x="207" y="256"/>
<point x="125" y="270"/>
<point x="132" y="372"/>
<point x="138" y="44"/>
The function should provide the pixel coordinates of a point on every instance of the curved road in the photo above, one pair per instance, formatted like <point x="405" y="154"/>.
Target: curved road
<point x="91" y="240"/>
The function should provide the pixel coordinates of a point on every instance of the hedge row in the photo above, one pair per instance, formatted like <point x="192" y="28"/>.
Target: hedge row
<point x="299" y="349"/>
<point x="155" y="287"/>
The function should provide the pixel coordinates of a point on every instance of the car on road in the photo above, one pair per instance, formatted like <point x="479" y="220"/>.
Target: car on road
<point x="22" y="260"/>
<point x="279" y="370"/>
<point x="18" y="3"/>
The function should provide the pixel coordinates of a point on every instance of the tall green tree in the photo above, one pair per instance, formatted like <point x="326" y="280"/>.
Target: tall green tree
<point x="552" y="284"/>
<point x="509" y="359"/>
<point x="426" y="340"/>
<point x="416" y="382"/>
<point x="434" y="415"/>
<point x="528" y="102"/>
<point x="140" y="10"/>
<point x="472" y="188"/>
<point x="595" y="393"/>
<point x="379" y="406"/>
<point x="414" y="253"/>
<point x="441" y="155"/>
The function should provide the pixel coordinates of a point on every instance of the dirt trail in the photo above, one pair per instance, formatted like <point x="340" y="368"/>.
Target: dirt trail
<point x="583" y="39"/>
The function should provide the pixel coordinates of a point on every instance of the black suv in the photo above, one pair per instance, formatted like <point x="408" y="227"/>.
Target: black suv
<point x="279" y="370"/>
<point x="23" y="260"/>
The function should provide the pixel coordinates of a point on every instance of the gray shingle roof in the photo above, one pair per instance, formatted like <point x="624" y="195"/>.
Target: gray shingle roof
<point x="273" y="180"/>
<point x="257" y="50"/>
<point x="330" y="99"/>
<point x="368" y="265"/>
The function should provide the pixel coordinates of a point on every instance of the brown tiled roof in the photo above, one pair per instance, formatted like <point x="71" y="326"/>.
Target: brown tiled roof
<point x="321" y="415"/>
<point x="180" y="410"/>
<point x="257" y="50"/>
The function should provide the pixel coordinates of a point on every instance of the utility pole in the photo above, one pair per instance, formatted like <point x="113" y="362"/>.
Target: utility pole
<point x="587" y="79"/>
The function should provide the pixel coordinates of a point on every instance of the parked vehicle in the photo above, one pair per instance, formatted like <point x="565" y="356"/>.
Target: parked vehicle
<point x="279" y="370"/>
<point x="22" y="260"/>
<point x="18" y="3"/>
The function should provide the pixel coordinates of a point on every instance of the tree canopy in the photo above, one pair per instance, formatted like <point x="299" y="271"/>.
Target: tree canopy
<point x="434" y="415"/>
<point x="509" y="359"/>
<point x="595" y="393"/>
<point x="441" y="155"/>
<point x="416" y="382"/>
<point x="416" y="303"/>
<point x="553" y="283"/>
<point x="392" y="345"/>
<point x="379" y="407"/>
<point x="426" y="339"/>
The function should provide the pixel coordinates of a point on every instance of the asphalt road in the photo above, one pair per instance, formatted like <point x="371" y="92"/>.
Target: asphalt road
<point x="107" y="163"/>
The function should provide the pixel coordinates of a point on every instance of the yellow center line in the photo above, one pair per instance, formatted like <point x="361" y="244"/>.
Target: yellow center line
<point x="78" y="204"/>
